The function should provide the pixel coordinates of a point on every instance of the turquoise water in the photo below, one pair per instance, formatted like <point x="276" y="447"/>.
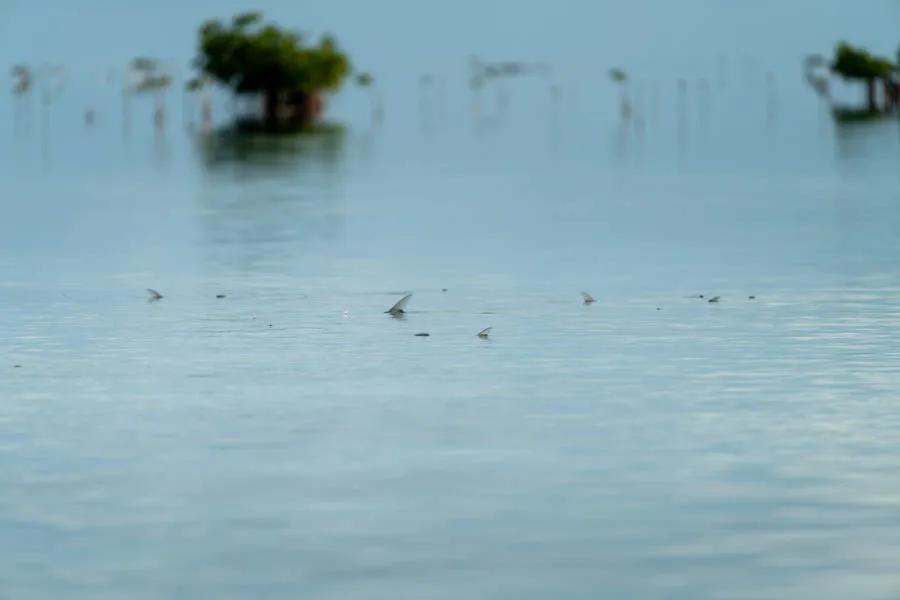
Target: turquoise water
<point x="292" y="440"/>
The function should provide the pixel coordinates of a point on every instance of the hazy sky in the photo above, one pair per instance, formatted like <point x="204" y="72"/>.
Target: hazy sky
<point x="413" y="33"/>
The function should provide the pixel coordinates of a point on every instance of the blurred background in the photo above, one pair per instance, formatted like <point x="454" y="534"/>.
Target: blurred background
<point x="264" y="429"/>
<point x="712" y="91"/>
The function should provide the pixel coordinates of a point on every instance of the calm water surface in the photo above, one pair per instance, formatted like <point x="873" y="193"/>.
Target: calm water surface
<point x="291" y="440"/>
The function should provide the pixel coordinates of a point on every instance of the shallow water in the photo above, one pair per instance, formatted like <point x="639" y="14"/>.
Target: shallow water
<point x="292" y="440"/>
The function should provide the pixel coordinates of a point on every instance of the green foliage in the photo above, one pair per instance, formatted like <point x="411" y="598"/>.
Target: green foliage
<point x="856" y="63"/>
<point x="195" y="84"/>
<point x="22" y="76"/>
<point x="142" y="63"/>
<point x="147" y="76"/>
<point x="153" y="83"/>
<point x="241" y="21"/>
<point x="250" y="57"/>
<point x="618" y="75"/>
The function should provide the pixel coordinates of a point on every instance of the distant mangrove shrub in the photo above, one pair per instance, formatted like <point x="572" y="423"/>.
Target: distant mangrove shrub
<point x="290" y="76"/>
<point x="858" y="64"/>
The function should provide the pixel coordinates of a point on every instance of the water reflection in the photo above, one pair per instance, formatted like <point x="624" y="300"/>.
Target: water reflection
<point x="268" y="199"/>
<point x="681" y="116"/>
<point x="698" y="451"/>
<point x="867" y="144"/>
<point x="234" y="149"/>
